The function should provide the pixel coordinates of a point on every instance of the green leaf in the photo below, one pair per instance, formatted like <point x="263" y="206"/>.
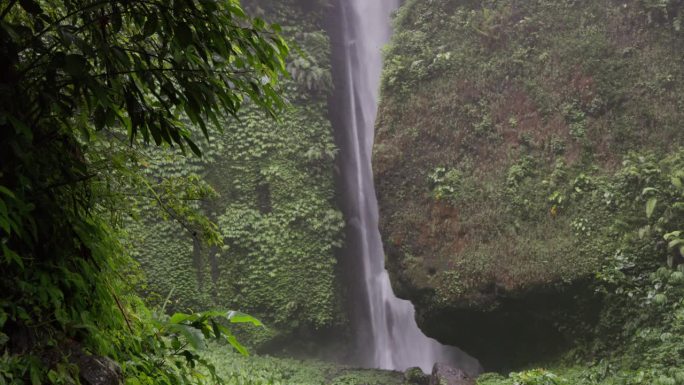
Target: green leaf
<point x="175" y="343"/>
<point x="179" y="317"/>
<point x="677" y="182"/>
<point x="214" y="326"/>
<point x="237" y="317"/>
<point x="11" y="256"/>
<point x="193" y="147"/>
<point x="650" y="206"/>
<point x="34" y="372"/>
<point x="193" y="335"/>
<point x="133" y="381"/>
<point x="4" y="190"/>
<point x="675" y="243"/>
<point x="235" y="344"/>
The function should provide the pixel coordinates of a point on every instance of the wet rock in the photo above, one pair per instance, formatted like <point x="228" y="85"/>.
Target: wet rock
<point x="443" y="374"/>
<point x="96" y="370"/>
<point x="415" y="376"/>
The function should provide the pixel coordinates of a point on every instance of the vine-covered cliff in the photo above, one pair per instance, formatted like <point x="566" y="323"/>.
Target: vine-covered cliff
<point x="513" y="146"/>
<point x="270" y="191"/>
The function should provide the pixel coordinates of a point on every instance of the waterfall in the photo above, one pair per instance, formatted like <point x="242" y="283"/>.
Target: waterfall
<point x="391" y="338"/>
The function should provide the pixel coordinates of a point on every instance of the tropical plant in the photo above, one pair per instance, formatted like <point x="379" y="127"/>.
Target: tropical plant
<point x="79" y="81"/>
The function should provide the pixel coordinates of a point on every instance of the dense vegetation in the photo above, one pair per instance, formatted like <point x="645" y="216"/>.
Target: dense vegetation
<point x="84" y="86"/>
<point x="637" y="338"/>
<point x="519" y="148"/>
<point x="264" y="370"/>
<point x="162" y="162"/>
<point x="273" y="204"/>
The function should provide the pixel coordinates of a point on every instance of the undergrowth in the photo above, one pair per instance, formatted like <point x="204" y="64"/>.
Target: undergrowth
<point x="265" y="370"/>
<point x="639" y="338"/>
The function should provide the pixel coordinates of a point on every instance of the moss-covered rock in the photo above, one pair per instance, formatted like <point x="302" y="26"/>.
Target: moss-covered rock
<point x="415" y="376"/>
<point x="500" y="139"/>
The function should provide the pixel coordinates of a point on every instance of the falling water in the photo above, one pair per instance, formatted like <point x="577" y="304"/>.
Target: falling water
<point x="393" y="339"/>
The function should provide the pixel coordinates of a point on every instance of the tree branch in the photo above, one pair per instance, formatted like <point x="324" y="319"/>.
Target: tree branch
<point x="123" y="312"/>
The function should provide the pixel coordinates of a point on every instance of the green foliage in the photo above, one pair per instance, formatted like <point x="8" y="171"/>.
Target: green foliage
<point x="446" y="184"/>
<point x="98" y="56"/>
<point x="529" y="106"/>
<point x="269" y="189"/>
<point x="638" y="339"/>
<point x="563" y="121"/>
<point x="529" y="377"/>
<point x="537" y="377"/>
<point x="82" y="84"/>
<point x="311" y="69"/>
<point x="264" y="370"/>
<point x="169" y="349"/>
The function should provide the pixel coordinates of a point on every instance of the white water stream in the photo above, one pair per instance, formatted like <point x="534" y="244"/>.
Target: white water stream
<point x="395" y="342"/>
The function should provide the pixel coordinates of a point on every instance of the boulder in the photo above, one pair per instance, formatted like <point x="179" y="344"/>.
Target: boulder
<point x="443" y="374"/>
<point x="415" y="376"/>
<point x="97" y="370"/>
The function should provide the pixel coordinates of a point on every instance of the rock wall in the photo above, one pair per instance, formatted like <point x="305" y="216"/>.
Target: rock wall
<point x="504" y="144"/>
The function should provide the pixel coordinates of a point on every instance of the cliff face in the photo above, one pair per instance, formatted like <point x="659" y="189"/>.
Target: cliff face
<point x="273" y="204"/>
<point x="507" y="133"/>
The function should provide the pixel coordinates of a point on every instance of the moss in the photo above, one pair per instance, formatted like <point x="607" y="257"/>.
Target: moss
<point x="500" y="136"/>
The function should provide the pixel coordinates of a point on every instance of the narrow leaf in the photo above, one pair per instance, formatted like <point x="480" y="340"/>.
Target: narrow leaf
<point x="650" y="206"/>
<point x="676" y="243"/>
